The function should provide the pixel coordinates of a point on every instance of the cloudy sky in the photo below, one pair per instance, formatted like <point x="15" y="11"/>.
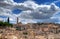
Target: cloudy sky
<point x="30" y="11"/>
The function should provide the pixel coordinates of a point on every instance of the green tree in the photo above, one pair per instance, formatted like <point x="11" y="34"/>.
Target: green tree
<point x="6" y="24"/>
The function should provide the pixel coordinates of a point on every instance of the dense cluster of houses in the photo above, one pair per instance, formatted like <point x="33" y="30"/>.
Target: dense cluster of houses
<point x="31" y="31"/>
<point x="39" y="30"/>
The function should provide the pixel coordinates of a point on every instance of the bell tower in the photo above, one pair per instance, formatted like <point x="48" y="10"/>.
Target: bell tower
<point x="17" y="20"/>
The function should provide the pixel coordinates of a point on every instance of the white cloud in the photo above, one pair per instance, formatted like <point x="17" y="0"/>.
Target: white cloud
<point x="56" y="1"/>
<point x="25" y="21"/>
<point x="30" y="10"/>
<point x="41" y="12"/>
<point x="1" y="19"/>
<point x="13" y="20"/>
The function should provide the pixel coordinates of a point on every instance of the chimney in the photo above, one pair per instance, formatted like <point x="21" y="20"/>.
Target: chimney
<point x="8" y="20"/>
<point x="17" y="20"/>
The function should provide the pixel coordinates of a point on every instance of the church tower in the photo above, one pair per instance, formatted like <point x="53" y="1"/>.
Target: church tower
<point x="17" y="20"/>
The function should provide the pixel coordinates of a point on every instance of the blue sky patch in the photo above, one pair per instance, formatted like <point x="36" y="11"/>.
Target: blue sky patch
<point x="19" y="1"/>
<point x="44" y="1"/>
<point x="58" y="4"/>
<point x="16" y="11"/>
<point x="3" y="16"/>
